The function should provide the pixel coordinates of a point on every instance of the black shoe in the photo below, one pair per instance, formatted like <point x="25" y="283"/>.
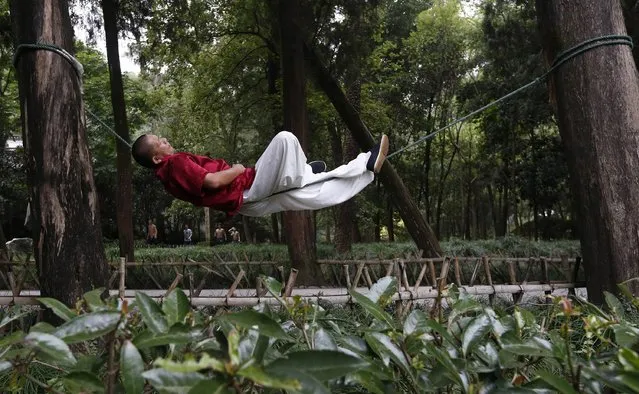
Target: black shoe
<point x="318" y="166"/>
<point x="378" y="155"/>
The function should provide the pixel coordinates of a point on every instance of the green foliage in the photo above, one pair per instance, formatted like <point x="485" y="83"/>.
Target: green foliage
<point x="568" y="346"/>
<point x="508" y="246"/>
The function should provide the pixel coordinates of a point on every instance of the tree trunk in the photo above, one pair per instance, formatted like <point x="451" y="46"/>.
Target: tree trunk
<point x="391" y="222"/>
<point x="298" y="225"/>
<point x="347" y="211"/>
<point x="417" y="227"/>
<point x="124" y="196"/>
<point x="209" y="227"/>
<point x="67" y="235"/>
<point x="249" y="236"/>
<point x="275" y="229"/>
<point x="601" y="141"/>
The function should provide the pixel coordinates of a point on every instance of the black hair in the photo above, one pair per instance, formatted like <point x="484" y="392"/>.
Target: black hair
<point x="141" y="151"/>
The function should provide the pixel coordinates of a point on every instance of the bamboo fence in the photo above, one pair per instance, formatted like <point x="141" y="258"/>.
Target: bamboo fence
<point x="418" y="279"/>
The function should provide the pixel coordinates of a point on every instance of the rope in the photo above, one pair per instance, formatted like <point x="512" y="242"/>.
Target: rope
<point x="562" y="58"/>
<point x="77" y="66"/>
<point x="125" y="142"/>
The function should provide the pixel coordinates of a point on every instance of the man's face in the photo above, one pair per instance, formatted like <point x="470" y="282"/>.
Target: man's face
<point x="160" y="147"/>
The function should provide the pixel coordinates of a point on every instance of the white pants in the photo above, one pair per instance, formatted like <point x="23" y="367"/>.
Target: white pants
<point x="285" y="182"/>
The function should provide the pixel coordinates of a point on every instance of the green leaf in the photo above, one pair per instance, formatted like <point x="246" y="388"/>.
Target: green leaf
<point x="255" y="320"/>
<point x="94" y="299"/>
<point x="628" y="359"/>
<point x="383" y="345"/>
<point x="211" y="386"/>
<point x="415" y="322"/>
<point x="58" y="308"/>
<point x="558" y="383"/>
<point x="372" y="308"/>
<point x="309" y="384"/>
<point x="272" y="285"/>
<point x="42" y="327"/>
<point x="370" y="381"/>
<point x="444" y="361"/>
<point x="461" y="307"/>
<point x="609" y="378"/>
<point x="321" y="364"/>
<point x="151" y="313"/>
<point x="322" y="340"/>
<point x="630" y="379"/>
<point x="88" y="326"/>
<point x="441" y="330"/>
<point x="172" y="382"/>
<point x="264" y="378"/>
<point x="11" y="317"/>
<point x="234" y="347"/>
<point x="11" y="339"/>
<point x="615" y="306"/>
<point x="178" y="334"/>
<point x="131" y="368"/>
<point x="205" y="362"/>
<point x="383" y="290"/>
<point x="476" y="330"/>
<point x="534" y="347"/>
<point x="626" y="335"/>
<point x="83" y="381"/>
<point x="261" y="346"/>
<point x="52" y="346"/>
<point x="175" y="306"/>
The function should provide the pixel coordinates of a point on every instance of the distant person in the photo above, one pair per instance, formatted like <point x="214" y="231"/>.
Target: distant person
<point x="235" y="235"/>
<point x="188" y="235"/>
<point x="220" y="235"/>
<point x="151" y="233"/>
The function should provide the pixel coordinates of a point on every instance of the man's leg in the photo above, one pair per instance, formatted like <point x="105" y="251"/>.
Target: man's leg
<point x="338" y="186"/>
<point x="282" y="166"/>
<point x="283" y="186"/>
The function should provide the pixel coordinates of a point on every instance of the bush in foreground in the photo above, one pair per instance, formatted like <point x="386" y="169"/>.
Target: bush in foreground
<point x="573" y="346"/>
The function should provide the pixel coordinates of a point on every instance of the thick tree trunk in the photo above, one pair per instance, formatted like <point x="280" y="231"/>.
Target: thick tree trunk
<point x="67" y="236"/>
<point x="417" y="227"/>
<point x="597" y="96"/>
<point x="298" y="225"/>
<point x="124" y="196"/>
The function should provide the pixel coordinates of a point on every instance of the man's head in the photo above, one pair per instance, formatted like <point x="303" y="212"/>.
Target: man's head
<point x="149" y="149"/>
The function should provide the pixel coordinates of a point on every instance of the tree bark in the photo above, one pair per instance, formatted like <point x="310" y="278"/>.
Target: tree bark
<point x="124" y="196"/>
<point x="298" y="225"/>
<point x="596" y="96"/>
<point x="347" y="211"/>
<point x="67" y="235"/>
<point x="415" y="223"/>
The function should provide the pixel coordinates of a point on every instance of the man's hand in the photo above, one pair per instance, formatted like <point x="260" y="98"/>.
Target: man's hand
<point x="216" y="180"/>
<point x="239" y="167"/>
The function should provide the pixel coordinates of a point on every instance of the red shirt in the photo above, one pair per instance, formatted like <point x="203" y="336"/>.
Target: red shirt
<point x="183" y="175"/>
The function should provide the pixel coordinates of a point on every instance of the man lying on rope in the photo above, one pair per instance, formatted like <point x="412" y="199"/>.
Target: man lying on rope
<point x="281" y="180"/>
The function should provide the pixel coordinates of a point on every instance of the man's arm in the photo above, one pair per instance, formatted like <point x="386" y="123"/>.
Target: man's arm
<point x="216" y="180"/>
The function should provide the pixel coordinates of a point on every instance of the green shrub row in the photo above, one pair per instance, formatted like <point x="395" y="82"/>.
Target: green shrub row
<point x="509" y="246"/>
